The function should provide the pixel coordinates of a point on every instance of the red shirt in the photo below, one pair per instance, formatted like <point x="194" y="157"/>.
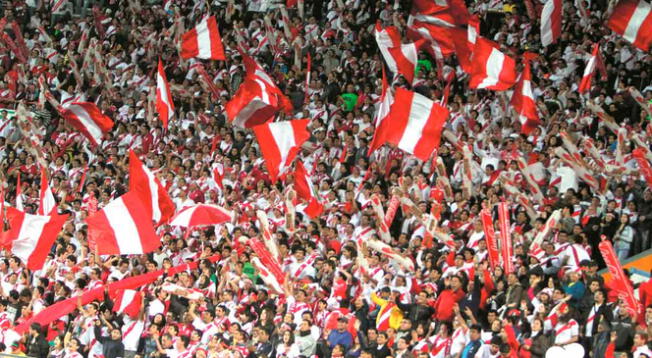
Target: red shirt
<point x="445" y="303"/>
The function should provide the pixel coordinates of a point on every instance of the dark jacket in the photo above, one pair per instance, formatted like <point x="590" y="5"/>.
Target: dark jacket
<point x="110" y="348"/>
<point x="415" y="312"/>
<point x="37" y="346"/>
<point x="604" y="312"/>
<point x="540" y="344"/>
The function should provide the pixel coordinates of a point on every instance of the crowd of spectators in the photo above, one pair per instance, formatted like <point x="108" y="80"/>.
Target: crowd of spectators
<point x="453" y="304"/>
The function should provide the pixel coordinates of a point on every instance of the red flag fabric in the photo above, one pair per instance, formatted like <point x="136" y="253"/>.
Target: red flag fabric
<point x="589" y="71"/>
<point x="280" y="142"/>
<point x="523" y="101"/>
<point x="643" y="165"/>
<point x="401" y="59"/>
<point x="621" y="283"/>
<point x="88" y="119"/>
<point x="164" y="104"/>
<point x="439" y="38"/>
<point x="414" y="124"/>
<point x="505" y="237"/>
<point x="551" y="22"/>
<point x="257" y="99"/>
<point x="123" y="227"/>
<point x="491" y="69"/>
<point x="203" y="41"/>
<point x="464" y="42"/>
<point x="306" y="191"/>
<point x="46" y="198"/>
<point x="31" y="236"/>
<point x="490" y="238"/>
<point x="201" y="215"/>
<point x="128" y="302"/>
<point x="151" y="193"/>
<point x="632" y="19"/>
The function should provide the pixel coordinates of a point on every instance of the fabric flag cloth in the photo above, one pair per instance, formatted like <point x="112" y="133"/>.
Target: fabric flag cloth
<point x="490" y="238"/>
<point x="620" y="281"/>
<point x="643" y="165"/>
<point x="439" y="38"/>
<point x="589" y="71"/>
<point x="306" y="191"/>
<point x="128" y="302"/>
<point x="31" y="236"/>
<point x="551" y="16"/>
<point x="123" y="227"/>
<point x="67" y="306"/>
<point x="401" y="59"/>
<point x="505" y="237"/>
<point x="201" y="215"/>
<point x="46" y="198"/>
<point x="203" y="41"/>
<point x="280" y="142"/>
<point x="632" y="19"/>
<point x="164" y="104"/>
<point x="464" y="43"/>
<point x="152" y="194"/>
<point x="307" y="85"/>
<point x="257" y="99"/>
<point x="413" y="124"/>
<point x="19" y="193"/>
<point x="491" y="69"/>
<point x="88" y="119"/>
<point x="523" y="101"/>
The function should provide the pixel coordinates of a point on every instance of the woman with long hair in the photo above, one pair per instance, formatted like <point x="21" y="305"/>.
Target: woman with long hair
<point x="623" y="237"/>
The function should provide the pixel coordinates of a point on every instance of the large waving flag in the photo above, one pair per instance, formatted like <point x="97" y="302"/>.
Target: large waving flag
<point x="280" y="142"/>
<point x="152" y="194"/>
<point x="203" y="41"/>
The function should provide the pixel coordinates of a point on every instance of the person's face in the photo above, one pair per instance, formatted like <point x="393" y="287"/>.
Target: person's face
<point x="115" y="334"/>
<point x="474" y="334"/>
<point x="381" y="339"/>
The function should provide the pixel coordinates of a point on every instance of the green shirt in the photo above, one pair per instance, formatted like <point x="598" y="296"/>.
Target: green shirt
<point x="350" y="100"/>
<point x="423" y="64"/>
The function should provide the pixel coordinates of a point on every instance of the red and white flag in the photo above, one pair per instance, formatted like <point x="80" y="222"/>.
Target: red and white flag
<point x="622" y="285"/>
<point x="123" y="227"/>
<point x="307" y="85"/>
<point x="128" y="302"/>
<point x="218" y="175"/>
<point x="164" y="104"/>
<point x="429" y="6"/>
<point x="257" y="99"/>
<point x="632" y="19"/>
<point x="203" y="41"/>
<point x="46" y="198"/>
<point x="589" y="71"/>
<point x="201" y="215"/>
<point x="31" y="236"/>
<point x="492" y="69"/>
<point x="88" y="119"/>
<point x="306" y="191"/>
<point x="464" y="41"/>
<point x="438" y="38"/>
<point x="414" y="124"/>
<point x="505" y="237"/>
<point x="19" y="193"/>
<point x="551" y="22"/>
<point x="523" y="101"/>
<point x="401" y="59"/>
<point x="280" y="142"/>
<point x="152" y="194"/>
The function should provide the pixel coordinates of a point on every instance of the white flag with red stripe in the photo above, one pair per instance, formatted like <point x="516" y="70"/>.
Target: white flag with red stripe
<point x="439" y="38"/>
<point x="492" y="69"/>
<point x="88" y="119"/>
<point x="279" y="143"/>
<point x="153" y="195"/>
<point x="257" y="99"/>
<point x="632" y="19"/>
<point x="414" y="124"/>
<point x="523" y="101"/>
<point x="203" y="41"/>
<point x="31" y="236"/>
<point x="306" y="191"/>
<point x="123" y="227"/>
<point x="164" y="104"/>
<point x="589" y="71"/>
<point x="128" y="302"/>
<point x="401" y="59"/>
<point x="551" y="16"/>
<point x="46" y="198"/>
